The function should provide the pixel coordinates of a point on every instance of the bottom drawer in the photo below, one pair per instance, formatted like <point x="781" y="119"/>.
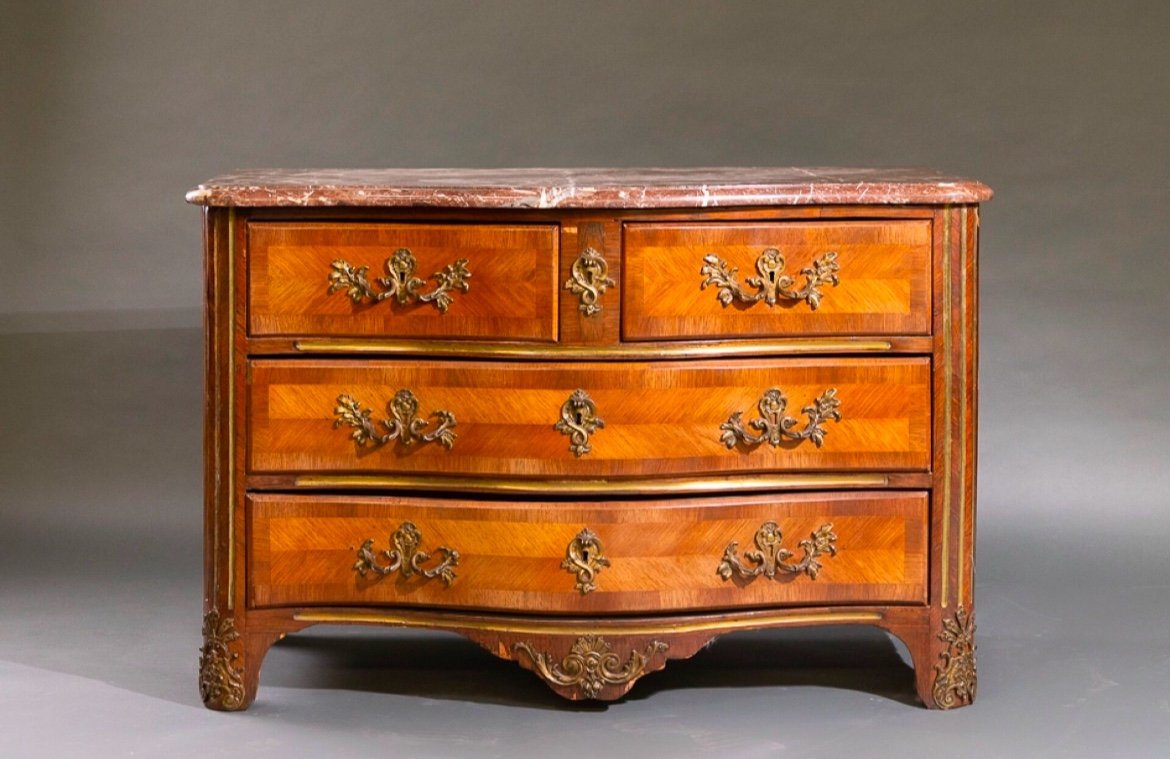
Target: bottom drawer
<point x="588" y="557"/>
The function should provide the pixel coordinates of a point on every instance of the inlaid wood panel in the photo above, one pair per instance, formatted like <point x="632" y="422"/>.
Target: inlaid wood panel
<point x="884" y="282"/>
<point x="659" y="418"/>
<point x="663" y="555"/>
<point x="512" y="291"/>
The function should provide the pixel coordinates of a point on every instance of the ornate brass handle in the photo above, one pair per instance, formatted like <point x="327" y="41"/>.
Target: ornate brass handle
<point x="776" y="427"/>
<point x="772" y="558"/>
<point x="579" y="420"/>
<point x="405" y="424"/>
<point x="399" y="282"/>
<point x="406" y="558"/>
<point x="771" y="285"/>
<point x="585" y="558"/>
<point x="589" y="279"/>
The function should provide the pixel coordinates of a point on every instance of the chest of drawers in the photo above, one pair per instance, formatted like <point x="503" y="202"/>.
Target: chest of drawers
<point x="590" y="419"/>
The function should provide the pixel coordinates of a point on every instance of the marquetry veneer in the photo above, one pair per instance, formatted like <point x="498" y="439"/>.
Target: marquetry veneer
<point x="590" y="419"/>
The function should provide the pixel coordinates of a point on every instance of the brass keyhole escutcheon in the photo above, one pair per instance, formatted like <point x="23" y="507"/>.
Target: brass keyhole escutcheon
<point x="585" y="558"/>
<point x="579" y="420"/>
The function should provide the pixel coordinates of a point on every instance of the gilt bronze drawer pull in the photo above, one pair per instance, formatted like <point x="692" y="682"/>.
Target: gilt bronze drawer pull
<point x="771" y="285"/>
<point x="772" y="558"/>
<point x="405" y="425"/>
<point x="589" y="279"/>
<point x="399" y="282"/>
<point x="585" y="558"/>
<point x="776" y="427"/>
<point x="406" y="558"/>
<point x="579" y="420"/>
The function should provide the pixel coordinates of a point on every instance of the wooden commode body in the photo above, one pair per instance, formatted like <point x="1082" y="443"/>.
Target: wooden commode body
<point x="590" y="419"/>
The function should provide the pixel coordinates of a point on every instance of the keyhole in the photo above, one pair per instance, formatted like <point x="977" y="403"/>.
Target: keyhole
<point x="585" y="555"/>
<point x="580" y="418"/>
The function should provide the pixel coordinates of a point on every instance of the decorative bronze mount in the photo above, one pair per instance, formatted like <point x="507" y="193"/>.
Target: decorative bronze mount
<point x="772" y="558"/>
<point x="589" y="279"/>
<point x="405" y="426"/>
<point x="585" y="558"/>
<point x="579" y="420"/>
<point x="776" y="427"/>
<point x="221" y="680"/>
<point x="771" y="286"/>
<point x="955" y="680"/>
<point x="406" y="557"/>
<point x="591" y="665"/>
<point x="400" y="282"/>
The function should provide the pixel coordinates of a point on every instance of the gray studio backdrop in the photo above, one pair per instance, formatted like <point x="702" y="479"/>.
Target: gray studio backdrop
<point x="112" y="110"/>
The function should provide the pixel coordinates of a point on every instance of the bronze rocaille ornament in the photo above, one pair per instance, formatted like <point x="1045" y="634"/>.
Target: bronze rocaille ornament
<point x="399" y="282"/>
<point x="405" y="425"/>
<point x="955" y="679"/>
<point x="585" y="558"/>
<point x="775" y="427"/>
<point x="591" y="664"/>
<point x="405" y="557"/>
<point x="770" y="558"/>
<point x="579" y="420"/>
<point x="771" y="285"/>
<point x="589" y="279"/>
<point x="221" y="679"/>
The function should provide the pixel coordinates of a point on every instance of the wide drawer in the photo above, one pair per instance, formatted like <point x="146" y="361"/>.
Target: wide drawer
<point x="403" y="280"/>
<point x="589" y="419"/>
<point x="776" y="279"/>
<point x="672" y="555"/>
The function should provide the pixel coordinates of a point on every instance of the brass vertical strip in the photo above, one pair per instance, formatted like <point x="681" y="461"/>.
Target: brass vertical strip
<point x="211" y="328"/>
<point x="946" y="328"/>
<point x="962" y="398"/>
<point x="231" y="421"/>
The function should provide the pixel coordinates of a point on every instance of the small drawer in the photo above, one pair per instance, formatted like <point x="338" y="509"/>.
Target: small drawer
<point x="591" y="419"/>
<point x="455" y="281"/>
<point x="799" y="278"/>
<point x="568" y="558"/>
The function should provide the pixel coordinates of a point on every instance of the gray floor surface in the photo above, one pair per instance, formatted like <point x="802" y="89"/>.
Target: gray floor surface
<point x="100" y="617"/>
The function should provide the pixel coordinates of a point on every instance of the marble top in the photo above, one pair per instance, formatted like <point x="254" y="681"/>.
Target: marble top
<point x="586" y="188"/>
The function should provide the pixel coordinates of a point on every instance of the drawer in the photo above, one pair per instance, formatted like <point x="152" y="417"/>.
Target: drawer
<point x="776" y="279"/>
<point x="588" y="557"/>
<point x="589" y="419"/>
<point x="471" y="281"/>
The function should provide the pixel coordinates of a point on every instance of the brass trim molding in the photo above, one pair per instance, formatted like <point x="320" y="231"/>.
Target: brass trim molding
<point x="615" y="626"/>
<point x="221" y="678"/>
<point x="585" y="558"/>
<point x="579" y="420"/>
<point x="591" y="664"/>
<point x="771" y="284"/>
<point x="231" y="422"/>
<point x="589" y="279"/>
<point x="776" y="427"/>
<point x="399" y="282"/>
<point x="771" y="558"/>
<point x="405" y="425"/>
<point x="406" y="557"/>
<point x="473" y="349"/>
<point x="955" y="677"/>
<point x="677" y="486"/>
<point x="947" y="401"/>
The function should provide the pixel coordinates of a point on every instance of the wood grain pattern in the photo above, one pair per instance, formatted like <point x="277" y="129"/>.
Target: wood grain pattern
<point x="603" y="327"/>
<point x="660" y="418"/>
<point x="884" y="286"/>
<point x="663" y="554"/>
<point x="513" y="293"/>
